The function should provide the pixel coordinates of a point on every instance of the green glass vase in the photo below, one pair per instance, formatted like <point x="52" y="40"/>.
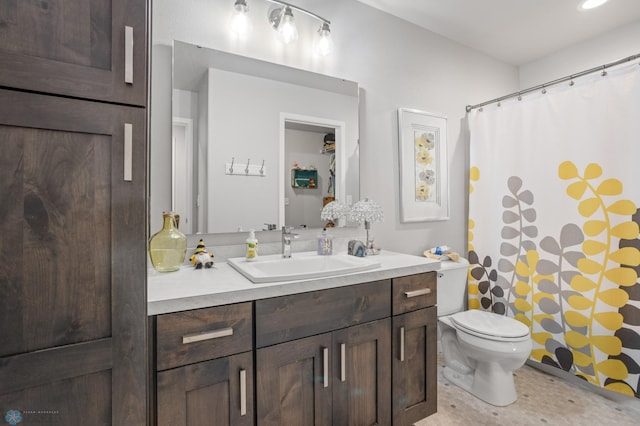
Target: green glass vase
<point x="168" y="247"/>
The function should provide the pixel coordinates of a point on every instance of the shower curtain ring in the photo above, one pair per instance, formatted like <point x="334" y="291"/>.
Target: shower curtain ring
<point x="604" y="73"/>
<point x="231" y="167"/>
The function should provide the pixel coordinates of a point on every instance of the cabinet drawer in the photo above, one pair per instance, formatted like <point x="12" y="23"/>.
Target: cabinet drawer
<point x="285" y="318"/>
<point x="413" y="292"/>
<point x="203" y="334"/>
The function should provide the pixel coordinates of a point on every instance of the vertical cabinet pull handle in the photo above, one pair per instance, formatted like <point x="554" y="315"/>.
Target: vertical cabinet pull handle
<point x="243" y="392"/>
<point x="343" y="361"/>
<point x="128" y="55"/>
<point x="325" y="366"/>
<point x="401" y="344"/>
<point x="128" y="146"/>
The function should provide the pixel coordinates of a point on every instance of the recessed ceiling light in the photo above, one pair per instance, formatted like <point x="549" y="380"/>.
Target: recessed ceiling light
<point x="590" y="4"/>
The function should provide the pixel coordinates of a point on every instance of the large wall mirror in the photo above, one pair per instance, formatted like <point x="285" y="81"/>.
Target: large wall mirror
<point x="257" y="145"/>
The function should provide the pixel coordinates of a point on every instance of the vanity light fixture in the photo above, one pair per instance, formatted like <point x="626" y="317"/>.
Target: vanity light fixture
<point x="281" y="19"/>
<point x="590" y="4"/>
<point x="240" y="22"/>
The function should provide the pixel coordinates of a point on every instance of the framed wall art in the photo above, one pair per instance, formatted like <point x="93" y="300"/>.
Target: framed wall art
<point x="424" y="178"/>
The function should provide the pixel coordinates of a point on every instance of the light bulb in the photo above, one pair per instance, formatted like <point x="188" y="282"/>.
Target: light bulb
<point x="590" y="4"/>
<point x="324" y="44"/>
<point x="287" y="28"/>
<point x="240" y="22"/>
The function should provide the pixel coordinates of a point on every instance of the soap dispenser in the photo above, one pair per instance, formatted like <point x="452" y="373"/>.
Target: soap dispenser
<point x="252" y="247"/>
<point x="325" y="243"/>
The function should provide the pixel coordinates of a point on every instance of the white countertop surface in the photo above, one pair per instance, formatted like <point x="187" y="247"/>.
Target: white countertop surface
<point x="189" y="288"/>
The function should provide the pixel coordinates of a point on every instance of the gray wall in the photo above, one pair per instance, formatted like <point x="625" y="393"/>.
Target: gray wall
<point x="397" y="64"/>
<point x="617" y="44"/>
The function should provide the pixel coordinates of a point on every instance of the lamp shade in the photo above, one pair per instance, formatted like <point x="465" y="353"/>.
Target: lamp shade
<point x="334" y="210"/>
<point x="366" y="211"/>
<point x="324" y="42"/>
<point x="240" y="23"/>
<point x="287" y="27"/>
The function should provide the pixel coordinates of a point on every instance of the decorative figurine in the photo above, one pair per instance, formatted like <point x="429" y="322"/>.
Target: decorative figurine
<point x="357" y="248"/>
<point x="201" y="257"/>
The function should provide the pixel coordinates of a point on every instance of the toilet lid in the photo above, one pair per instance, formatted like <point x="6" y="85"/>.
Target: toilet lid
<point x="489" y="324"/>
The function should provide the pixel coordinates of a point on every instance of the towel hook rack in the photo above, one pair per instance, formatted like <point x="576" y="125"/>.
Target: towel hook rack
<point x="248" y="170"/>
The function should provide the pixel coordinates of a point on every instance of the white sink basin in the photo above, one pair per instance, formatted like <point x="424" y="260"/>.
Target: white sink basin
<point x="300" y="266"/>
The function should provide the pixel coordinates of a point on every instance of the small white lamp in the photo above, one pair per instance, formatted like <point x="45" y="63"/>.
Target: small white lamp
<point x="332" y="211"/>
<point x="367" y="211"/>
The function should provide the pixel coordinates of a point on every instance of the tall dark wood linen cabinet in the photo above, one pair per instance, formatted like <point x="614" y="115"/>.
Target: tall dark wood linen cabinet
<point x="73" y="211"/>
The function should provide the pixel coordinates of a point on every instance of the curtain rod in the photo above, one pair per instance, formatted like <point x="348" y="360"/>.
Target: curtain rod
<point x="559" y="80"/>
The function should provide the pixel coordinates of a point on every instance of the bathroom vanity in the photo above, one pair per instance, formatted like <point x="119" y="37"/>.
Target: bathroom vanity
<point x="353" y="349"/>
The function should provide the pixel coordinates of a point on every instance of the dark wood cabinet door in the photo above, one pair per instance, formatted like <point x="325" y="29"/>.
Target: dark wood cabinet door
<point x="414" y="365"/>
<point x="362" y="374"/>
<point x="75" y="48"/>
<point x="217" y="392"/>
<point x="293" y="383"/>
<point x="72" y="261"/>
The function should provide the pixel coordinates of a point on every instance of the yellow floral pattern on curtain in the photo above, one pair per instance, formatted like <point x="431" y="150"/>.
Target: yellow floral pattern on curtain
<point x="573" y="291"/>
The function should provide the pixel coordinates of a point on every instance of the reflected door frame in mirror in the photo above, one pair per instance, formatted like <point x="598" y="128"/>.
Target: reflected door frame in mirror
<point x="339" y="129"/>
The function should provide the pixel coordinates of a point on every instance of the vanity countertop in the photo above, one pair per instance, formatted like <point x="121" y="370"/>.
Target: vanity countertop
<point x="189" y="288"/>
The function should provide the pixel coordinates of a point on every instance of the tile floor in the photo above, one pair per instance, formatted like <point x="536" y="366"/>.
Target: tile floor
<point x="543" y="399"/>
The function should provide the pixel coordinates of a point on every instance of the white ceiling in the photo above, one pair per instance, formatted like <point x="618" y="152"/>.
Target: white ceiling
<point x="513" y="31"/>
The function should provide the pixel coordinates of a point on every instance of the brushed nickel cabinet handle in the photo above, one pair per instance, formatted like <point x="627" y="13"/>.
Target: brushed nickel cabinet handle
<point x="128" y="155"/>
<point x="415" y="293"/>
<point x="243" y="392"/>
<point x="128" y="55"/>
<point x="207" y="335"/>
<point x="401" y="344"/>
<point x="325" y="366"/>
<point x="343" y="361"/>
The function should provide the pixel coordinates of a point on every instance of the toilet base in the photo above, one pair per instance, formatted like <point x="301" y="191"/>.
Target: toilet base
<point x="488" y="382"/>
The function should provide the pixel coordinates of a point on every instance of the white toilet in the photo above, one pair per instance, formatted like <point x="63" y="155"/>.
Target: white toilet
<point x="481" y="349"/>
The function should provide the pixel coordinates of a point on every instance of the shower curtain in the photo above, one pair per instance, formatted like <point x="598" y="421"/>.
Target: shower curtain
<point x="554" y="220"/>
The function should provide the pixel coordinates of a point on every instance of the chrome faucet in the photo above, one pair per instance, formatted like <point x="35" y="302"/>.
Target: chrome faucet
<point x="287" y="236"/>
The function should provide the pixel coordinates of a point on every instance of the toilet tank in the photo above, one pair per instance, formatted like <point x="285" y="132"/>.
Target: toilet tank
<point x="451" y="284"/>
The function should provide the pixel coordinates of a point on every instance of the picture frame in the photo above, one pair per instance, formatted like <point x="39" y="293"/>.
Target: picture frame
<point x="424" y="177"/>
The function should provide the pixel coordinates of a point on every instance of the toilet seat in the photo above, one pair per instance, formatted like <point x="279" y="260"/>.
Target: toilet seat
<point x="490" y="326"/>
